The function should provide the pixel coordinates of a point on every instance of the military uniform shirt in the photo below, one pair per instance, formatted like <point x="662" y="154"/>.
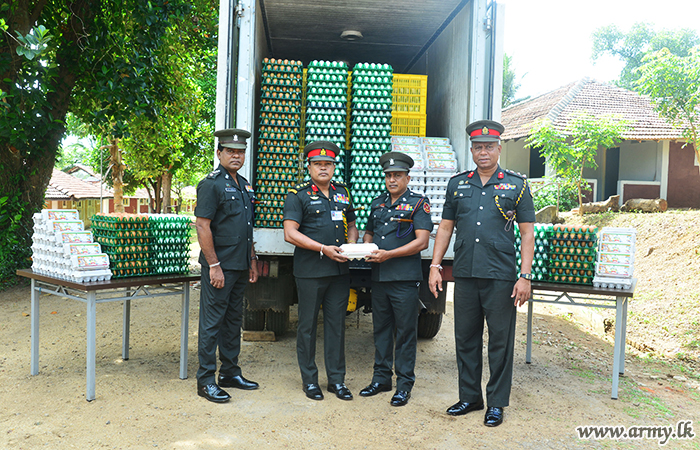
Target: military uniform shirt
<point x="406" y="268"/>
<point x="483" y="247"/>
<point x="229" y="206"/>
<point x="322" y="219"/>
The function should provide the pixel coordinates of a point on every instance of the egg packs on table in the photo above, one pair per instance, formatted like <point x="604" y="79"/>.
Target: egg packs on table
<point x="615" y="262"/>
<point x="63" y="249"/>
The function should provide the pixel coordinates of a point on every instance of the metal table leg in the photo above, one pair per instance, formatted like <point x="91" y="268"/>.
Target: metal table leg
<point x="625" y="302"/>
<point x="528" y="352"/>
<point x="34" y="366"/>
<point x="90" y="354"/>
<point x="126" y="327"/>
<point x="184" y="329"/>
<point x="619" y="344"/>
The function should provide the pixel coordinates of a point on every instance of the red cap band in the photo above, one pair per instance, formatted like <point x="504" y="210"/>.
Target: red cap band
<point x="491" y="132"/>
<point x="321" y="152"/>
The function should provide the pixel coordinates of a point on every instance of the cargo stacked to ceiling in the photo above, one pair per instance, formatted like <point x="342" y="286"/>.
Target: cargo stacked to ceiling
<point x="370" y="133"/>
<point x="409" y="103"/>
<point x="62" y="248"/>
<point x="411" y="146"/>
<point x="326" y="108"/>
<point x="278" y="138"/>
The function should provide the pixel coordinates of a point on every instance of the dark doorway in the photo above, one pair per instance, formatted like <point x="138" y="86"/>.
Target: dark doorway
<point x="536" y="164"/>
<point x="612" y="171"/>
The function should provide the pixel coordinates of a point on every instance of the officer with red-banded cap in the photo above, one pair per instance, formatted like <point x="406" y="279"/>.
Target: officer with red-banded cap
<point x="483" y="205"/>
<point x="318" y="219"/>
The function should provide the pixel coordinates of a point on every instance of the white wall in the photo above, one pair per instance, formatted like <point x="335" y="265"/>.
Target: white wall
<point x="640" y="161"/>
<point x="515" y="156"/>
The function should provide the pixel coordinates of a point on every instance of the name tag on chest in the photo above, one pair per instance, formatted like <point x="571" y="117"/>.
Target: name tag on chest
<point x="336" y="215"/>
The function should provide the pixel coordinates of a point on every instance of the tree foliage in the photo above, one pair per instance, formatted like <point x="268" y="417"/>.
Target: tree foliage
<point x="641" y="40"/>
<point x="673" y="83"/>
<point x="570" y="151"/>
<point x="53" y="55"/>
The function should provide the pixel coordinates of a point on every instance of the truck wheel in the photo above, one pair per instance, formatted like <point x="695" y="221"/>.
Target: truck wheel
<point x="252" y="320"/>
<point x="278" y="321"/>
<point x="429" y="324"/>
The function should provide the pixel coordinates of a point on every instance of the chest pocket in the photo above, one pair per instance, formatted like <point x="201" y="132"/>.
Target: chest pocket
<point x="317" y="212"/>
<point x="464" y="200"/>
<point x="232" y="203"/>
<point x="507" y="199"/>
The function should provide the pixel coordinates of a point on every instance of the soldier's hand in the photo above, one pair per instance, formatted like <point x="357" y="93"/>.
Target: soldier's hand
<point x="334" y="253"/>
<point x="216" y="277"/>
<point x="378" y="256"/>
<point x="521" y="292"/>
<point x="253" y="272"/>
<point x="435" y="281"/>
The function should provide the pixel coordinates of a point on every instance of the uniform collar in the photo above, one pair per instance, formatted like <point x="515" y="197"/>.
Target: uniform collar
<point x="493" y="180"/>
<point x="402" y="197"/>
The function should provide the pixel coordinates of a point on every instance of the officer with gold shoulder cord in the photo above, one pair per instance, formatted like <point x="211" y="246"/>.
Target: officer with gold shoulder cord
<point x="483" y="205"/>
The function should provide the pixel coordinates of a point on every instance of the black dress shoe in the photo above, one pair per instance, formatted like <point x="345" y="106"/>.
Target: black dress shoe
<point x="341" y="391"/>
<point x="494" y="416"/>
<point x="374" y="389"/>
<point x="313" y="391"/>
<point x="237" y="382"/>
<point x="460" y="408"/>
<point x="213" y="393"/>
<point x="400" y="398"/>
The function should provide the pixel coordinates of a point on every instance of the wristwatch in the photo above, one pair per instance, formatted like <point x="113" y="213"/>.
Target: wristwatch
<point x="527" y="276"/>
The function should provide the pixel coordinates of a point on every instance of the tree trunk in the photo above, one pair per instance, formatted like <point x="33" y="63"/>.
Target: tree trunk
<point x="611" y="204"/>
<point x="115" y="161"/>
<point x="167" y="178"/>
<point x="645" y="205"/>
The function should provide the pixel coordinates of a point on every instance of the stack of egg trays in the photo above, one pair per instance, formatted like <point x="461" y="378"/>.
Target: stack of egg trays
<point x="278" y="140"/>
<point x="170" y="244"/>
<point x="573" y="254"/>
<point x="370" y="132"/>
<point x="411" y="146"/>
<point x="441" y="165"/>
<point x="127" y="239"/>
<point x="325" y="116"/>
<point x="542" y="255"/>
<point x="615" y="261"/>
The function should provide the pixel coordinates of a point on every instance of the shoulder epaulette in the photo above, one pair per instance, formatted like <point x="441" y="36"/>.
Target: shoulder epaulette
<point x="300" y="186"/>
<point x="466" y="172"/>
<point x="293" y="191"/>
<point x="517" y="174"/>
<point x="213" y="174"/>
<point x="339" y="183"/>
<point x="244" y="180"/>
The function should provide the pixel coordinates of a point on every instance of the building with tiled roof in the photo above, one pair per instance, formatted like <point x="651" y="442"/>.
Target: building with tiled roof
<point x="653" y="161"/>
<point x="68" y="192"/>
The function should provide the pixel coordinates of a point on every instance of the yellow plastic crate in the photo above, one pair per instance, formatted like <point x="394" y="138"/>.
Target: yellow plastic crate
<point x="409" y="93"/>
<point x="408" y="124"/>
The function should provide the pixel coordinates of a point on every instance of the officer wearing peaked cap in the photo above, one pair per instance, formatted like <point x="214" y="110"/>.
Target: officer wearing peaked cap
<point x="318" y="219"/>
<point x="483" y="205"/>
<point x="224" y="214"/>
<point x="400" y="225"/>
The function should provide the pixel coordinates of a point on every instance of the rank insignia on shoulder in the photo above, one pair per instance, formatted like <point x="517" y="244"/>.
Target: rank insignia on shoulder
<point x="426" y="207"/>
<point x="214" y="173"/>
<point x="293" y="191"/>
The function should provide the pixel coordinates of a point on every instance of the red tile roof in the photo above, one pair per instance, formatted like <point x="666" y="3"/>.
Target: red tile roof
<point x="67" y="187"/>
<point x="595" y="98"/>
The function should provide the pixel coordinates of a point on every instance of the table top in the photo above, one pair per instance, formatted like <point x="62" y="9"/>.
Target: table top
<point x="113" y="283"/>
<point x="584" y="289"/>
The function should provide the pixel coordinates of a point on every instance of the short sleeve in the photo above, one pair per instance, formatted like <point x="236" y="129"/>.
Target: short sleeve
<point x="448" y="211"/>
<point x="525" y="211"/>
<point x="207" y="199"/>
<point x="421" y="218"/>
<point x="350" y="216"/>
<point x="293" y="209"/>
<point x="369" y="226"/>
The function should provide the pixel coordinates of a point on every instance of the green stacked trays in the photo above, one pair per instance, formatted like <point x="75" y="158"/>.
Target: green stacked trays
<point x="140" y="245"/>
<point x="278" y="139"/>
<point x="170" y="244"/>
<point x="370" y="132"/>
<point x="540" y="261"/>
<point x="326" y="107"/>
<point x="573" y="254"/>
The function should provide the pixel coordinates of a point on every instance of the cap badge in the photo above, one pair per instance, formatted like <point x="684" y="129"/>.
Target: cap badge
<point x="391" y="161"/>
<point x="485" y="130"/>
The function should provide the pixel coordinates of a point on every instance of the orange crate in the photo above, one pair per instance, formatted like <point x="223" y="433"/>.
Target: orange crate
<point x="409" y="94"/>
<point x="408" y="124"/>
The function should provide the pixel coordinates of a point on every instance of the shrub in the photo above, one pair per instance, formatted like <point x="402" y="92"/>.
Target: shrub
<point x="555" y="191"/>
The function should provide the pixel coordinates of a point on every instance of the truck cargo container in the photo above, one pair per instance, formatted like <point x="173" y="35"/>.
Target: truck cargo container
<point x="456" y="43"/>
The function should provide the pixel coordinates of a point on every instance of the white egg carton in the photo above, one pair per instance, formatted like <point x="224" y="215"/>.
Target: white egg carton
<point x="358" y="251"/>
<point x="405" y="140"/>
<point x="435" y="141"/>
<point x="60" y="214"/>
<point x="612" y="283"/>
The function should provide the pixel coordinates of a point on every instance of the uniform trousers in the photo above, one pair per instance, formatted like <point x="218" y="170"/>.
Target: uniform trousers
<point x="220" y="320"/>
<point x="476" y="299"/>
<point x="395" y="305"/>
<point x="332" y="293"/>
